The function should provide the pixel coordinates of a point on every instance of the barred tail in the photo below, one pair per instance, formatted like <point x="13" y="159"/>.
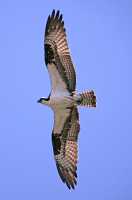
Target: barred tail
<point x="87" y="98"/>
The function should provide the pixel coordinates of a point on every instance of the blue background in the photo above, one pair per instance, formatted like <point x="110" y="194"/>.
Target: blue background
<point x="100" y="39"/>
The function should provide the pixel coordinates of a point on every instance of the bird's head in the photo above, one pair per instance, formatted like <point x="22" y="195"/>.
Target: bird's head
<point x="43" y="100"/>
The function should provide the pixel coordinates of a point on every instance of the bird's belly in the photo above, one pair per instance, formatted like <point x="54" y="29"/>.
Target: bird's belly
<point x="61" y="101"/>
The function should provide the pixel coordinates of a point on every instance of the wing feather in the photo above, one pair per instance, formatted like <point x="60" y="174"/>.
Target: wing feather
<point x="65" y="148"/>
<point x="57" y="51"/>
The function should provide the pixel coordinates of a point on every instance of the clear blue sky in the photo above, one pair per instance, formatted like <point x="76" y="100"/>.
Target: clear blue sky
<point x="100" y="39"/>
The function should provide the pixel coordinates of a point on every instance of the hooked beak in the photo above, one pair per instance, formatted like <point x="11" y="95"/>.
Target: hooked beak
<point x="39" y="101"/>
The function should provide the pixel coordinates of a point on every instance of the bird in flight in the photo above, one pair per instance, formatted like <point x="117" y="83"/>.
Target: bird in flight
<point x="63" y="99"/>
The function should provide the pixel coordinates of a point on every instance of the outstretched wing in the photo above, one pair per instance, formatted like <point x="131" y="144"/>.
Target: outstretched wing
<point x="64" y="140"/>
<point x="57" y="55"/>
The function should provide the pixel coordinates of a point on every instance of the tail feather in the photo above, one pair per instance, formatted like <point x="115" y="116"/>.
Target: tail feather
<point x="87" y="98"/>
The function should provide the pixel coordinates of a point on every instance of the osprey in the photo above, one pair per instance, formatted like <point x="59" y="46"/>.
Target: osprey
<point x="63" y="99"/>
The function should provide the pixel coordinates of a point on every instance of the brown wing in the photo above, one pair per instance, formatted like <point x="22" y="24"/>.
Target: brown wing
<point x="65" y="148"/>
<point x="57" y="51"/>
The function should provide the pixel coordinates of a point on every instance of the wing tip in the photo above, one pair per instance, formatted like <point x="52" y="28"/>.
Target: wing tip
<point x="71" y="185"/>
<point x="58" y="16"/>
<point x="53" y="13"/>
<point x="55" y="17"/>
<point x="66" y="178"/>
